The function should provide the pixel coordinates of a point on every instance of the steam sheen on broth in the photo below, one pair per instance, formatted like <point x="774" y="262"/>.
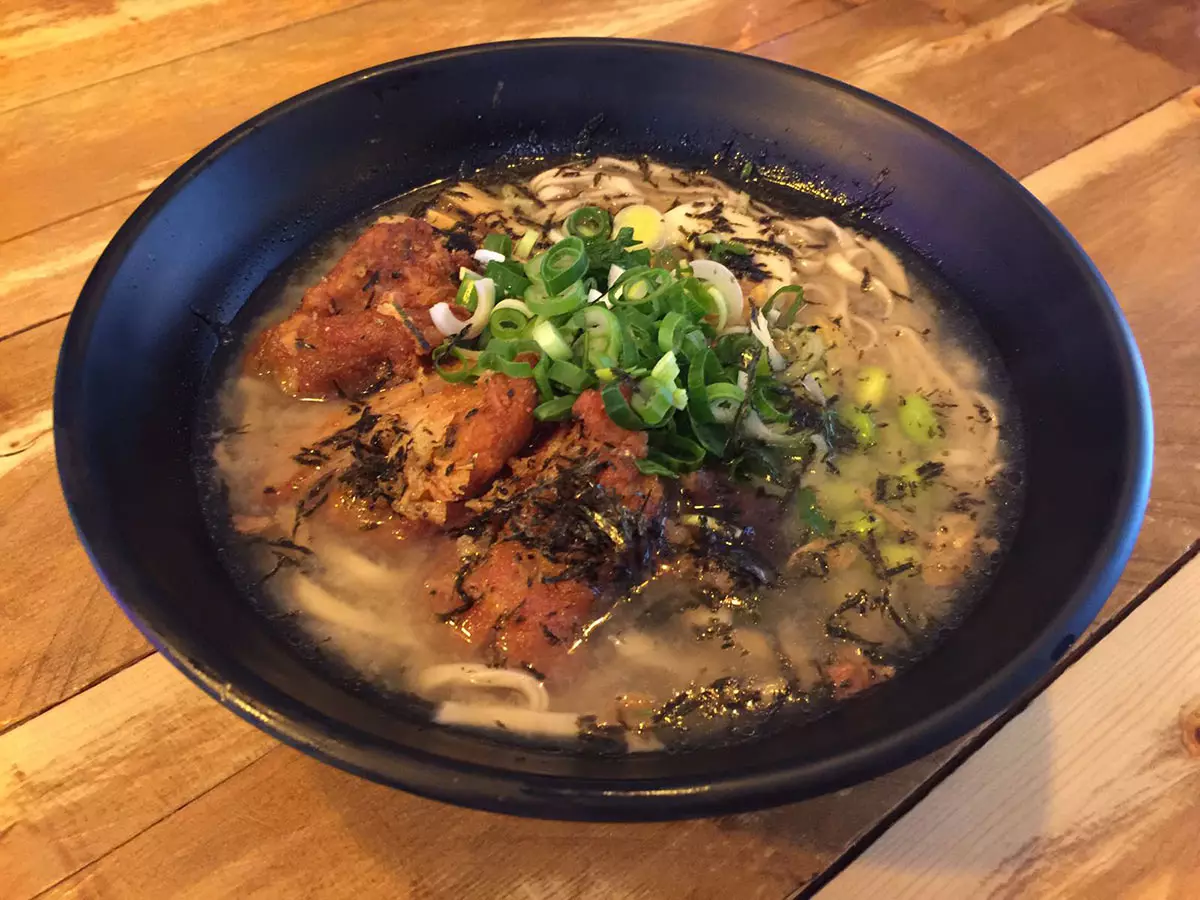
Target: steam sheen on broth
<point x="422" y="462"/>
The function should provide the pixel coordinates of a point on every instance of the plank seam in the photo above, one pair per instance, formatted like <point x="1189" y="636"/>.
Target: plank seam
<point x="986" y="732"/>
<point x="25" y="328"/>
<point x="71" y="216"/>
<point x="271" y="748"/>
<point x="846" y="7"/>
<point x="167" y="62"/>
<point x="12" y="726"/>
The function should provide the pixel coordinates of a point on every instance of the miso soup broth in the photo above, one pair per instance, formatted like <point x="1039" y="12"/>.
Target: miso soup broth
<point x="615" y="455"/>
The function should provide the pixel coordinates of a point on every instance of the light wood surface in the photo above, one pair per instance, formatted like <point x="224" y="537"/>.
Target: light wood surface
<point x="1093" y="791"/>
<point x="118" y="779"/>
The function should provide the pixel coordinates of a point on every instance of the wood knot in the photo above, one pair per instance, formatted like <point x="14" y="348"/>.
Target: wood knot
<point x="1189" y="726"/>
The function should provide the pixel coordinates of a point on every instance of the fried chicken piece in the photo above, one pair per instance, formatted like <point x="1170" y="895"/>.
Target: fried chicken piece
<point x="574" y="520"/>
<point x="368" y="319"/>
<point x="411" y="455"/>
<point x="523" y="610"/>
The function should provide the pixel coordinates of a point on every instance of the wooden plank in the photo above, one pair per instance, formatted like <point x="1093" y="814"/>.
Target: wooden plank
<point x="61" y="629"/>
<point x="27" y="364"/>
<point x="1093" y="791"/>
<point x="97" y="770"/>
<point x="48" y="47"/>
<point x="874" y="45"/>
<point x="742" y="27"/>
<point x="1028" y="63"/>
<point x="1127" y="198"/>
<point x="123" y="136"/>
<point x="1168" y="28"/>
<point x="285" y="825"/>
<point x="41" y="273"/>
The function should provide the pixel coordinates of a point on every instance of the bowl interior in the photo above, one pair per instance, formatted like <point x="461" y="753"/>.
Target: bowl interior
<point x="150" y="318"/>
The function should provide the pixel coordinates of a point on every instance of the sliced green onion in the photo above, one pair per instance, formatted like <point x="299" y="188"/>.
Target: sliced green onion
<point x="550" y="339"/>
<point x="526" y="244"/>
<point x="653" y="401"/>
<point x="603" y="331"/>
<point x="533" y="268"/>
<point x="511" y="367"/>
<point x="589" y="223"/>
<point x="724" y="400"/>
<point x="671" y="331"/>
<point x="703" y="369"/>
<point x="674" y="453"/>
<point x="618" y="407"/>
<point x="766" y="405"/>
<point x="683" y="450"/>
<point x="718" y="277"/>
<point x="570" y="375"/>
<point x="639" y="285"/>
<point x="498" y="243"/>
<point x="467" y="294"/>
<point x="714" y="437"/>
<point x="466" y="369"/>
<point x="564" y="263"/>
<point x="694" y="342"/>
<point x="508" y="282"/>
<point x="918" y="419"/>
<point x="722" y="250"/>
<point x="787" y="301"/>
<point x="556" y="409"/>
<point x="719" y="312"/>
<point x="509" y="319"/>
<point x="696" y="301"/>
<point x="648" y="466"/>
<point x="541" y="377"/>
<point x="666" y="370"/>
<point x="550" y="305"/>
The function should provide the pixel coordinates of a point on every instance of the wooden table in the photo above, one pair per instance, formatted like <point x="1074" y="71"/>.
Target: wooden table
<point x="120" y="779"/>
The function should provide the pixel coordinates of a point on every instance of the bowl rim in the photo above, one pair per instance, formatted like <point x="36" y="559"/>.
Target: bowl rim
<point x="509" y="791"/>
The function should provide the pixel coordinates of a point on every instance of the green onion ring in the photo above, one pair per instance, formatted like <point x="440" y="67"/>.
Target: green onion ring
<point x="564" y="263"/>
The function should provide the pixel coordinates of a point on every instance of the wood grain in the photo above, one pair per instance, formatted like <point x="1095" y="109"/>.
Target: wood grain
<point x="744" y="26"/>
<point x="940" y="58"/>
<point x="41" y="273"/>
<point x="1167" y="28"/>
<point x="1127" y="198"/>
<point x="1093" y="791"/>
<point x="124" y="135"/>
<point x="89" y="775"/>
<point x="275" y="823"/>
<point x="61" y="630"/>
<point x="1029" y="66"/>
<point x="48" y="47"/>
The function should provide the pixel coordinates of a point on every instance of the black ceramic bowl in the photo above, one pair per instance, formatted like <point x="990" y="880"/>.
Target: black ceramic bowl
<point x="138" y="348"/>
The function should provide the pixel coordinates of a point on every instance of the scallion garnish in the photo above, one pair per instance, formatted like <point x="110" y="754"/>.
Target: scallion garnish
<point x="499" y="243"/>
<point x="589" y="223"/>
<point x="564" y="263"/>
<point x="653" y="344"/>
